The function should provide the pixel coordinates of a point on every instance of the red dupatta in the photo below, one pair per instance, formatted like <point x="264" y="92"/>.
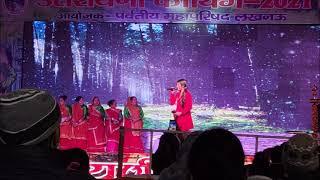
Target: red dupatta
<point x="134" y="111"/>
<point x="136" y="121"/>
<point x="77" y="113"/>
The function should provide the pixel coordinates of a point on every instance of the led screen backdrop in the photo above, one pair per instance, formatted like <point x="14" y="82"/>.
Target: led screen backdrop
<point x="242" y="77"/>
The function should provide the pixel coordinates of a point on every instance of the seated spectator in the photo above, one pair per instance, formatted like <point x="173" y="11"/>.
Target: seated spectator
<point x="178" y="170"/>
<point x="166" y="153"/>
<point x="29" y="136"/>
<point x="276" y="154"/>
<point x="276" y="170"/>
<point x="76" y="159"/>
<point x="259" y="164"/>
<point x="217" y="154"/>
<point x="300" y="158"/>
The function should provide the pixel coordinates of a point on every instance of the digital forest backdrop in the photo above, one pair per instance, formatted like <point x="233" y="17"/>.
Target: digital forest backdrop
<point x="242" y="77"/>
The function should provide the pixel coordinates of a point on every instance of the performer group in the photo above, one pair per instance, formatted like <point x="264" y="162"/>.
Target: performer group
<point x="97" y="130"/>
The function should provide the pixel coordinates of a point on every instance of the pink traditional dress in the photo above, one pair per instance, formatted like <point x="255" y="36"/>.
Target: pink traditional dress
<point x="113" y="123"/>
<point x="183" y="103"/>
<point x="96" y="129"/>
<point x="79" y="126"/>
<point x="65" y="127"/>
<point x="133" y="116"/>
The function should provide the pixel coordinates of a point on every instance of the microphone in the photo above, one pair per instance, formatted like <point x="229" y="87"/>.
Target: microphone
<point x="172" y="89"/>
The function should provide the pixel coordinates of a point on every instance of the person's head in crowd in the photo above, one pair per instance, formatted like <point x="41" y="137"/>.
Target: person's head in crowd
<point x="187" y="144"/>
<point x="300" y="155"/>
<point x="29" y="136"/>
<point x="276" y="154"/>
<point x="133" y="101"/>
<point x="62" y="100"/>
<point x="274" y="167"/>
<point x="29" y="117"/>
<point x="179" y="169"/>
<point x="80" y="100"/>
<point x="217" y="154"/>
<point x="258" y="177"/>
<point x="169" y="143"/>
<point x="261" y="162"/>
<point x="76" y="159"/>
<point x="166" y="153"/>
<point x="112" y="103"/>
<point x="96" y="101"/>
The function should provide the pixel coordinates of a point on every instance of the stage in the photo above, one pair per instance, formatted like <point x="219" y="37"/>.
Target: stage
<point x="250" y="125"/>
<point x="104" y="166"/>
<point x="235" y="119"/>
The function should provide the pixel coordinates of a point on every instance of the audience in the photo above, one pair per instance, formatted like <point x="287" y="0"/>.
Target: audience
<point x="179" y="170"/>
<point x="300" y="158"/>
<point x="276" y="154"/>
<point x="29" y="136"/>
<point x="259" y="164"/>
<point x="76" y="159"/>
<point x="257" y="177"/>
<point x="297" y="159"/>
<point x="276" y="169"/>
<point x="217" y="154"/>
<point x="166" y="153"/>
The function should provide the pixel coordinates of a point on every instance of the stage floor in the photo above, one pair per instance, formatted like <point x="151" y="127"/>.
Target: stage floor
<point x="208" y="116"/>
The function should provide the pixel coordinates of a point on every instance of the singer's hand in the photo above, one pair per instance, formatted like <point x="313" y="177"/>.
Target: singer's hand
<point x="172" y="92"/>
<point x="178" y="113"/>
<point x="171" y="89"/>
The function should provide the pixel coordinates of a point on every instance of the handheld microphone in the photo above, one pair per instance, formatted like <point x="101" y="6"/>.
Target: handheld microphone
<point x="172" y="89"/>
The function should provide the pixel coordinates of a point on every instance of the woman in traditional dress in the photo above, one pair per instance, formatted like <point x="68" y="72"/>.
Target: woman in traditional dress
<point x="79" y="123"/>
<point x="113" y="123"/>
<point x="182" y="100"/>
<point x="96" y="127"/>
<point x="65" y="124"/>
<point x="133" y="115"/>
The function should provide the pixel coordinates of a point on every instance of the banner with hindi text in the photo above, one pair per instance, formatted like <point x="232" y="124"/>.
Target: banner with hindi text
<point x="164" y="11"/>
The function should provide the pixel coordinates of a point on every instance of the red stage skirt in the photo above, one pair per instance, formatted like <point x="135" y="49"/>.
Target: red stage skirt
<point x="65" y="135"/>
<point x="79" y="136"/>
<point x="96" y="135"/>
<point x="132" y="144"/>
<point x="113" y="135"/>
